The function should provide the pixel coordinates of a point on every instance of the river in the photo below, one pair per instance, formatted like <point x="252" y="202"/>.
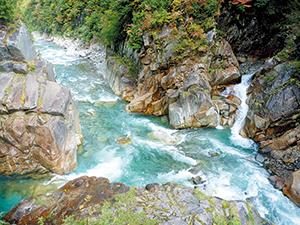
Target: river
<point x="233" y="174"/>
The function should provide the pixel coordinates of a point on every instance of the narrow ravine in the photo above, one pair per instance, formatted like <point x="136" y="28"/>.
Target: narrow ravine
<point x="232" y="173"/>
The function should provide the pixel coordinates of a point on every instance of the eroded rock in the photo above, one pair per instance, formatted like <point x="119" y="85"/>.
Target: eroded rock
<point x="39" y="128"/>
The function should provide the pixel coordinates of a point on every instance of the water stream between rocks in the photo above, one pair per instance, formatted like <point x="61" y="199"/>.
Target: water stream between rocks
<point x="232" y="173"/>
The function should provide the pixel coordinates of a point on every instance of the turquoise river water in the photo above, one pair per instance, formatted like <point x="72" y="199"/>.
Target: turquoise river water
<point x="233" y="175"/>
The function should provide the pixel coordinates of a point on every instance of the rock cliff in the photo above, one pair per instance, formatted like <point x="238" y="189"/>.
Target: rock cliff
<point x="39" y="123"/>
<point x="273" y="117"/>
<point x="183" y="89"/>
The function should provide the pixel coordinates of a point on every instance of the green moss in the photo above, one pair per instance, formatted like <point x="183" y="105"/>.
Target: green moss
<point x="225" y="204"/>
<point x="32" y="68"/>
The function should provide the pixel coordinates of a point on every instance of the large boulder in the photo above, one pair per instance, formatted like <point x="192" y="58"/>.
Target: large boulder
<point x="20" y="45"/>
<point x="39" y="126"/>
<point x="193" y="110"/>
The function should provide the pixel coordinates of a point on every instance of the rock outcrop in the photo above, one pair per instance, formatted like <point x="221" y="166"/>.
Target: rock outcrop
<point x="39" y="123"/>
<point x="273" y="121"/>
<point x="181" y="89"/>
<point x="82" y="200"/>
<point x="19" y="46"/>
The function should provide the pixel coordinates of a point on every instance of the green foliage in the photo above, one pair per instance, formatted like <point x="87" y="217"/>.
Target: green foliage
<point x="113" y="21"/>
<point x="6" y="10"/>
<point x="1" y="221"/>
<point x="40" y="221"/>
<point x="32" y="68"/>
<point x="121" y="211"/>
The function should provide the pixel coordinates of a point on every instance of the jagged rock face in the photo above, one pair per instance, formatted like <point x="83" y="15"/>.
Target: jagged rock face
<point x="65" y="201"/>
<point x="250" y="36"/>
<point x="39" y="123"/>
<point x="39" y="126"/>
<point x="273" y="120"/>
<point x="167" y="204"/>
<point x="19" y="46"/>
<point x="273" y="115"/>
<point x="180" y="90"/>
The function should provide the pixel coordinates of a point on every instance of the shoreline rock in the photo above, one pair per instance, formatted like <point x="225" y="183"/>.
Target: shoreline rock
<point x="39" y="123"/>
<point x="169" y="203"/>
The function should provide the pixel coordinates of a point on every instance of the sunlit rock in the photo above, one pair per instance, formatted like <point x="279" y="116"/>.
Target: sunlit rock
<point x="39" y="128"/>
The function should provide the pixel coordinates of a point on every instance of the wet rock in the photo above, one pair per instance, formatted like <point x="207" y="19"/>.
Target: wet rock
<point x="91" y="112"/>
<point x="195" y="169"/>
<point x="228" y="76"/>
<point x="153" y="186"/>
<point x="4" y="54"/>
<point x="102" y="139"/>
<point x="214" y="154"/>
<point x="71" y="199"/>
<point x="162" y="136"/>
<point x="196" y="180"/>
<point x="260" y="158"/>
<point x="124" y="141"/>
<point x="56" y="99"/>
<point x="292" y="187"/>
<point x="193" y="110"/>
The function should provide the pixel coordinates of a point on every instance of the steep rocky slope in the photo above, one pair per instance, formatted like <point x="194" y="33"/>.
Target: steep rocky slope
<point x="182" y="89"/>
<point x="39" y="123"/>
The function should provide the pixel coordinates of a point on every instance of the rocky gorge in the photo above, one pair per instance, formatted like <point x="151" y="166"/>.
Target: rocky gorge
<point x="191" y="93"/>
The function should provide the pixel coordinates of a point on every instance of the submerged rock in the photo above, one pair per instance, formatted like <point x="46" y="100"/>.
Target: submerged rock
<point x="162" y="136"/>
<point x="195" y="169"/>
<point x="169" y="203"/>
<point x="124" y="141"/>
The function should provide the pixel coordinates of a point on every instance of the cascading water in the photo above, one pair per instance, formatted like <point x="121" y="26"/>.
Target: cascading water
<point x="240" y="91"/>
<point x="233" y="174"/>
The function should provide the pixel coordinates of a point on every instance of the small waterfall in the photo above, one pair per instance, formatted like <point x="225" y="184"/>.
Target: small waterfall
<point x="240" y="90"/>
